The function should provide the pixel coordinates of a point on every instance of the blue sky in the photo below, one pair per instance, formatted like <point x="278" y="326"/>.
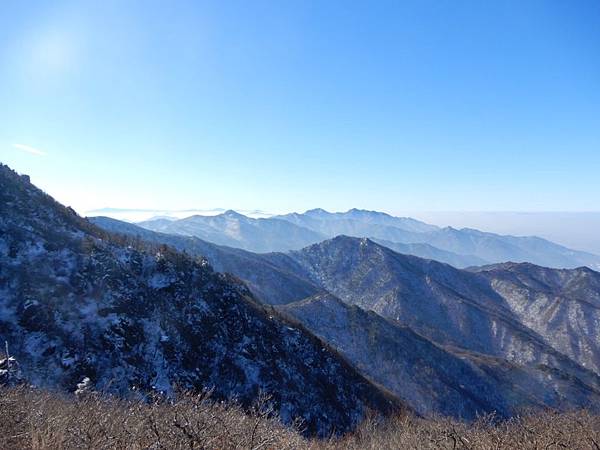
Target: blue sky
<point x="289" y="105"/>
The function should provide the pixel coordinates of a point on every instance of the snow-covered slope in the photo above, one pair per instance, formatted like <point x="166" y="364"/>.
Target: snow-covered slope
<point x="430" y="252"/>
<point x="431" y="378"/>
<point x="463" y="312"/>
<point x="78" y="302"/>
<point x="273" y="278"/>
<point x="448" y="305"/>
<point x="562" y="306"/>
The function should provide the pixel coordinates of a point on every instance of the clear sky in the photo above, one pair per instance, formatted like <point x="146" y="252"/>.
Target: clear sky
<point x="288" y="105"/>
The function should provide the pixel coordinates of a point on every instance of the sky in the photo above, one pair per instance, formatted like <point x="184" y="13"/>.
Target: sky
<point x="290" y="105"/>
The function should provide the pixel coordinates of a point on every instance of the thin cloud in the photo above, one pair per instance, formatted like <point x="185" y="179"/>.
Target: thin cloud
<point x="29" y="149"/>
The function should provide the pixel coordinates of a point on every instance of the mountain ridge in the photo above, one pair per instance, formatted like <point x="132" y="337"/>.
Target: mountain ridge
<point x="431" y="378"/>
<point x="236" y="230"/>
<point x="460" y="247"/>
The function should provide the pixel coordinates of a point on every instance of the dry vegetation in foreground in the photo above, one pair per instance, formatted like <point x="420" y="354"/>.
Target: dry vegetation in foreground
<point x="33" y="419"/>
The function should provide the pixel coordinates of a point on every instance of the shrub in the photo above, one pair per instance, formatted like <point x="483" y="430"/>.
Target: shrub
<point x="35" y="419"/>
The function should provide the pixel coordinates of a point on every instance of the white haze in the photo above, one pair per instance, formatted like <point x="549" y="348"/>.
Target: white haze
<point x="577" y="230"/>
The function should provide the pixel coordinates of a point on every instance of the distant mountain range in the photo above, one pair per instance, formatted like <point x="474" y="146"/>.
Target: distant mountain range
<point x="141" y="214"/>
<point x="236" y="230"/>
<point x="445" y="341"/>
<point x="575" y="229"/>
<point x="460" y="248"/>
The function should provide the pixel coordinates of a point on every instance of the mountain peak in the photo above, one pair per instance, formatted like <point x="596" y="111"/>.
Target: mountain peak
<point x="316" y="212"/>
<point x="344" y="241"/>
<point x="16" y="177"/>
<point x="366" y="212"/>
<point x="233" y="214"/>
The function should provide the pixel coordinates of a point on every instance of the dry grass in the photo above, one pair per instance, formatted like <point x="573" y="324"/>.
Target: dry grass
<point x="33" y="419"/>
<point x="541" y="430"/>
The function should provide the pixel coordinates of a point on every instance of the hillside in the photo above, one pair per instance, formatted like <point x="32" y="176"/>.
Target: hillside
<point x="562" y="306"/>
<point x="430" y="378"/>
<point x="273" y="278"/>
<point x="78" y="302"/>
<point x="447" y="305"/>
